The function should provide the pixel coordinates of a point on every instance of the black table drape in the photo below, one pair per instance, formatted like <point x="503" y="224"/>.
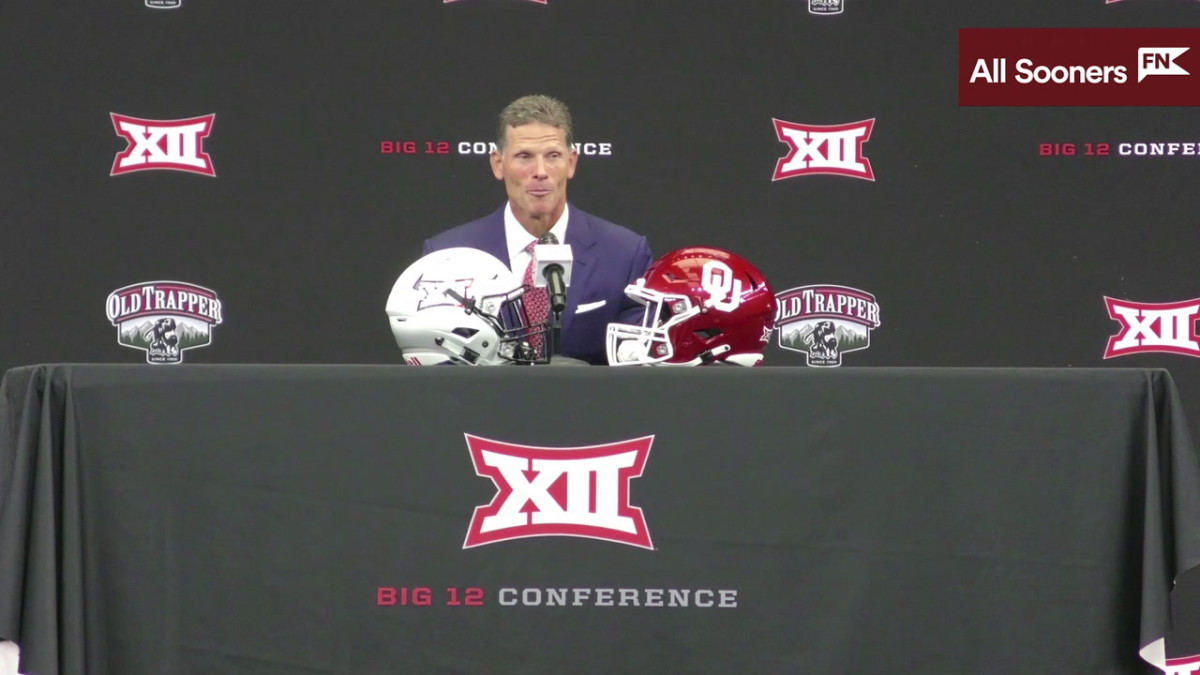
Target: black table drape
<point x="316" y="519"/>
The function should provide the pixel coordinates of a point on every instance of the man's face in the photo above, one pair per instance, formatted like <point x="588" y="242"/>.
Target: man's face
<point x="535" y="167"/>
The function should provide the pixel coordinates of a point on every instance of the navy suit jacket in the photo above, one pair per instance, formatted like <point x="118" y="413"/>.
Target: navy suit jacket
<point x="607" y="257"/>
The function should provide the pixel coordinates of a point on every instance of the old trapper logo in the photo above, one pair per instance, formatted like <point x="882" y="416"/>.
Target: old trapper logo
<point x="164" y="318"/>
<point x="825" y="321"/>
<point x="573" y="492"/>
<point x="174" y="145"/>
<point x="1168" y="327"/>
<point x="825" y="7"/>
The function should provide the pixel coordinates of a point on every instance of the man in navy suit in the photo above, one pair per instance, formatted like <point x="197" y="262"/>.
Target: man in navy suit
<point x="535" y="158"/>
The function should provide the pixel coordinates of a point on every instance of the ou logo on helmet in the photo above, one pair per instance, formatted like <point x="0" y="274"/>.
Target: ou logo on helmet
<point x="724" y="291"/>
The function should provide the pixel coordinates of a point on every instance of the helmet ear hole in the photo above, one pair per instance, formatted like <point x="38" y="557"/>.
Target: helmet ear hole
<point x="465" y="332"/>
<point x="707" y="333"/>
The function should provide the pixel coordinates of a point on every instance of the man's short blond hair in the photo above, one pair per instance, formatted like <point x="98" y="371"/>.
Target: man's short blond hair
<point x="532" y="109"/>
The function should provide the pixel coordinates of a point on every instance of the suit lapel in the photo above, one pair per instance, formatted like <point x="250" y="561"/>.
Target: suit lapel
<point x="582" y="240"/>
<point x="494" y="241"/>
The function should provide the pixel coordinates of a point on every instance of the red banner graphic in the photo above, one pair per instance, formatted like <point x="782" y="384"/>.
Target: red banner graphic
<point x="1078" y="66"/>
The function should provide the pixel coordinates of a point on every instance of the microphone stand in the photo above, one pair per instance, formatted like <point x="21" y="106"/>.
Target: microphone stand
<point x="558" y="302"/>
<point x="554" y="353"/>
<point x="555" y="347"/>
<point x="556" y="289"/>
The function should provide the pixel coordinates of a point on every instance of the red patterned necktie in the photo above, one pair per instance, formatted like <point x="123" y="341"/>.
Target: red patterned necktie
<point x="537" y="300"/>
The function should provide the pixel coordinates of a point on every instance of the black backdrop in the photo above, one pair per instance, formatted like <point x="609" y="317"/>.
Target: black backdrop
<point x="979" y="251"/>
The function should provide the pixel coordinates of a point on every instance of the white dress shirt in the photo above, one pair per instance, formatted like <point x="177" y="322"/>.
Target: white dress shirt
<point x="517" y="238"/>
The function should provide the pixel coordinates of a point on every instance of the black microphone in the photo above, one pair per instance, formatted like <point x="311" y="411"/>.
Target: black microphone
<point x="553" y="273"/>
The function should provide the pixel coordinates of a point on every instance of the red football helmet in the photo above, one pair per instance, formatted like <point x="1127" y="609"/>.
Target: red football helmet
<point x="703" y="305"/>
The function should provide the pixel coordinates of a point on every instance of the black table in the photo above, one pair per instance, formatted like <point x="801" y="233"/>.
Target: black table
<point x="388" y="519"/>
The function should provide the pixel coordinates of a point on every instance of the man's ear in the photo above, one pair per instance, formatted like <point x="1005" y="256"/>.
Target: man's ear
<point x="497" y="164"/>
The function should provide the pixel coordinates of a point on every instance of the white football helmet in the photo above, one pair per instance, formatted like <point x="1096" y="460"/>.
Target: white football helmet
<point x="461" y="306"/>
